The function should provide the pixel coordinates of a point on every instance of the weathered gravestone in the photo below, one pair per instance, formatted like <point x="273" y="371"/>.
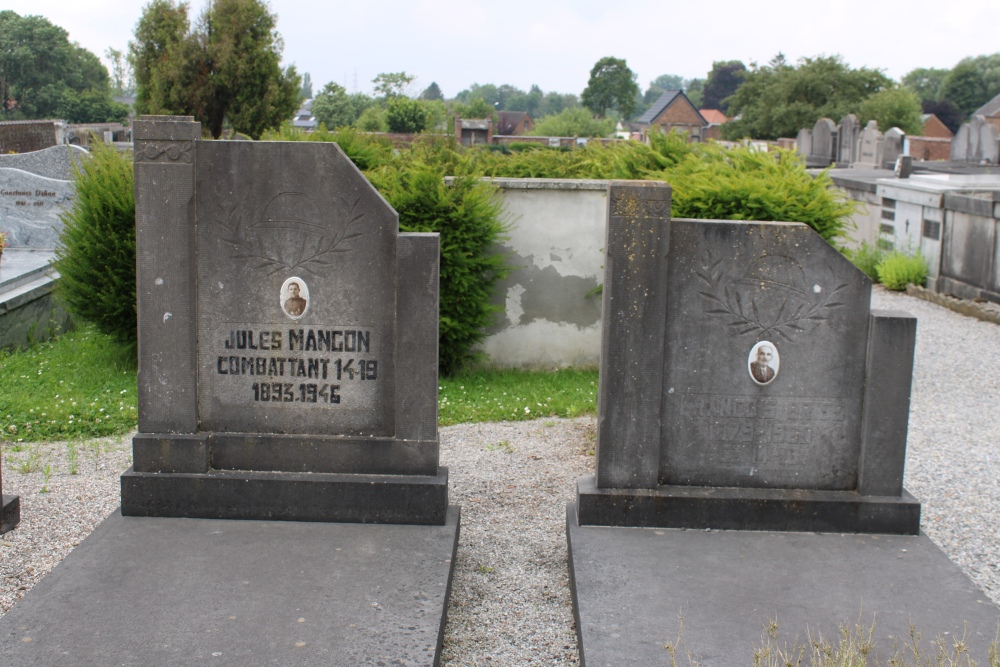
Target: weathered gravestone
<point x="892" y="147"/>
<point x="35" y="188"/>
<point x="960" y="145"/>
<point x="745" y="382"/>
<point x="804" y="142"/>
<point x="10" y="508"/>
<point x="287" y="338"/>
<point x="824" y="143"/>
<point x="847" y="140"/>
<point x="869" y="147"/>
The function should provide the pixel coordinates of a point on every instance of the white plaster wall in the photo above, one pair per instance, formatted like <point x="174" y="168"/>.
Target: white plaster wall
<point x="556" y="243"/>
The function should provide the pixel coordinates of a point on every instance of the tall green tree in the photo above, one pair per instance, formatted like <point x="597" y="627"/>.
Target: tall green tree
<point x="405" y="115"/>
<point x="43" y="75"/>
<point x="306" y="91"/>
<point x="893" y="107"/>
<point x="611" y="86"/>
<point x="725" y="79"/>
<point x="432" y="92"/>
<point x="158" y="56"/>
<point x="392" y="84"/>
<point x="227" y="69"/>
<point x="926" y="82"/>
<point x="965" y="87"/>
<point x="333" y="107"/>
<point x="779" y="99"/>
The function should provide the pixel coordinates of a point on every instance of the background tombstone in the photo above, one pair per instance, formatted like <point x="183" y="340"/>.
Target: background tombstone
<point x="869" y="146"/>
<point x="694" y="432"/>
<point x="287" y="338"/>
<point x="960" y="144"/>
<point x="824" y="143"/>
<point x="10" y="508"/>
<point x="803" y="142"/>
<point x="892" y="147"/>
<point x="847" y="140"/>
<point x="988" y="142"/>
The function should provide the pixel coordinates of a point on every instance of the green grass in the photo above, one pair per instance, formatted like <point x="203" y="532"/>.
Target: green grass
<point x="515" y="395"/>
<point x="81" y="385"/>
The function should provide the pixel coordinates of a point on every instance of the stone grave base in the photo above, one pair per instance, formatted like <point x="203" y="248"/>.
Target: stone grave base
<point x="160" y="591"/>
<point x="630" y="585"/>
<point x="10" y="513"/>
<point x="28" y="313"/>
<point x="746" y="509"/>
<point x="284" y="496"/>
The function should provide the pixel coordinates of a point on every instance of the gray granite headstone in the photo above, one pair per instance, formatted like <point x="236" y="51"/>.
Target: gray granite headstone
<point x="869" y="146"/>
<point x="30" y="206"/>
<point x="803" y="142"/>
<point x="892" y="146"/>
<point x="988" y="148"/>
<point x="824" y="142"/>
<point x="287" y="337"/>
<point x="960" y="144"/>
<point x="54" y="162"/>
<point x="745" y="382"/>
<point x="847" y="139"/>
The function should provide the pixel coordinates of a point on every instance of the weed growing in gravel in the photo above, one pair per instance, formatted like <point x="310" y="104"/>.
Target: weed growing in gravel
<point x="72" y="458"/>
<point x="46" y="476"/>
<point x="81" y="385"/>
<point x="502" y="446"/>
<point x="516" y="395"/>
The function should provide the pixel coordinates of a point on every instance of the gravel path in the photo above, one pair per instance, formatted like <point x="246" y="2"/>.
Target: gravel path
<point x="510" y="601"/>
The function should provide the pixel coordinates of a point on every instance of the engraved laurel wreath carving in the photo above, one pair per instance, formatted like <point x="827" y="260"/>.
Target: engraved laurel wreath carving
<point x="281" y="243"/>
<point x="743" y="312"/>
<point x="175" y="151"/>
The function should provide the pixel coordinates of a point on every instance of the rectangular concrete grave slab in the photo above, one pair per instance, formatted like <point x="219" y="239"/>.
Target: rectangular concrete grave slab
<point x="630" y="585"/>
<point x="168" y="591"/>
<point x="745" y="382"/>
<point x="287" y="337"/>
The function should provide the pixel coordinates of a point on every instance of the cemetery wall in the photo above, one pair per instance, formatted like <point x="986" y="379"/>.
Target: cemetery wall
<point x="23" y="136"/>
<point x="929" y="148"/>
<point x="551" y="306"/>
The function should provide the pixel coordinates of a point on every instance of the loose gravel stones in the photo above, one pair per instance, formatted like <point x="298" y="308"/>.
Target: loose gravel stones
<point x="510" y="602"/>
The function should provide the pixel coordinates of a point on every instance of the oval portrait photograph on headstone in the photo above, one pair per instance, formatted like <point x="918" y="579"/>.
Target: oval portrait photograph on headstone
<point x="294" y="297"/>
<point x="763" y="362"/>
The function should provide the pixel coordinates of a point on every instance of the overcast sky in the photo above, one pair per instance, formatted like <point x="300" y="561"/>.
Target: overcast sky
<point x="554" y="43"/>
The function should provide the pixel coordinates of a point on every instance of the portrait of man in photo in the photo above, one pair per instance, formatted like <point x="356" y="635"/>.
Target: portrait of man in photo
<point x="294" y="298"/>
<point x="763" y="362"/>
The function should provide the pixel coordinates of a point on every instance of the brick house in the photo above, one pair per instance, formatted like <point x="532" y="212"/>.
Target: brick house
<point x="933" y="127"/>
<point x="674" y="111"/>
<point x="990" y="111"/>
<point x="514" y="123"/>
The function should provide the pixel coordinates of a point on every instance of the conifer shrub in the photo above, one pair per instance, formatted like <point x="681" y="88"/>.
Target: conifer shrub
<point x="467" y="216"/>
<point x="867" y="258"/>
<point x="96" y="252"/>
<point x="897" y="270"/>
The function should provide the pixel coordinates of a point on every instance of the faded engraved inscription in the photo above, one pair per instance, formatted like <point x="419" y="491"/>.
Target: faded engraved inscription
<point x="631" y="206"/>
<point x="766" y="432"/>
<point x="771" y="298"/>
<point x="289" y="232"/>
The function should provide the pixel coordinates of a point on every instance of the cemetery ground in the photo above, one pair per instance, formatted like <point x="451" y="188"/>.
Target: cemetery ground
<point x="510" y="603"/>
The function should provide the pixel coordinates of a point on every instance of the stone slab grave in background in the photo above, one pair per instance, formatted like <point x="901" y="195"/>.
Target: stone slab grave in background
<point x="869" y="147"/>
<point x="287" y="338"/>
<point x="35" y="188"/>
<point x="824" y="143"/>
<point x="749" y="398"/>
<point x="847" y="140"/>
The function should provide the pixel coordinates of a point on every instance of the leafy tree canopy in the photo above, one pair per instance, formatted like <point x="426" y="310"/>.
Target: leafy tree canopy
<point x="227" y="69"/>
<point x="432" y="92"/>
<point x="893" y="107"/>
<point x="611" y="86"/>
<point x="925" y="82"/>
<point x="778" y="99"/>
<point x="333" y="107"/>
<point x="724" y="79"/>
<point x="43" y="75"/>
<point x="477" y="108"/>
<point x="576" y="122"/>
<point x="405" y="115"/>
<point x="694" y="89"/>
<point x="392" y="84"/>
<point x="306" y="92"/>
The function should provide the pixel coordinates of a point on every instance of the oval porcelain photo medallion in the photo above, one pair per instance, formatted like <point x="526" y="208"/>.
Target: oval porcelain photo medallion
<point x="294" y="297"/>
<point x="763" y="362"/>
